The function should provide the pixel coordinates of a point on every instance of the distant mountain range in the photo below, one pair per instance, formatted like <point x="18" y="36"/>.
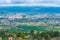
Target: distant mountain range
<point x="30" y="9"/>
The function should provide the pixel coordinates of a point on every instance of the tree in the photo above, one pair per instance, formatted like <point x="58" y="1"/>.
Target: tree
<point x="2" y="34"/>
<point x="56" y="34"/>
<point x="38" y="36"/>
<point x="47" y="37"/>
<point x="51" y="33"/>
<point x="22" y="35"/>
<point x="43" y="34"/>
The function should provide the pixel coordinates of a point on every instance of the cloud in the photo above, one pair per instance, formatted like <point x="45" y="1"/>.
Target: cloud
<point x="5" y="1"/>
<point x="36" y="1"/>
<point x="30" y="2"/>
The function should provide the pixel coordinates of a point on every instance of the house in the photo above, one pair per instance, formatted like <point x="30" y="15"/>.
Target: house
<point x="10" y="38"/>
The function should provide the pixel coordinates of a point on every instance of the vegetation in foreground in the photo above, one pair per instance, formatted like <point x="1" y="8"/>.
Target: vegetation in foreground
<point x="32" y="35"/>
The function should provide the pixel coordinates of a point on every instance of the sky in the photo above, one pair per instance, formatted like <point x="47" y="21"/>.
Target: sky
<point x="30" y="3"/>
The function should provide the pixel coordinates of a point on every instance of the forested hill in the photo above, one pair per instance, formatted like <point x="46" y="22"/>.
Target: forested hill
<point x="31" y="9"/>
